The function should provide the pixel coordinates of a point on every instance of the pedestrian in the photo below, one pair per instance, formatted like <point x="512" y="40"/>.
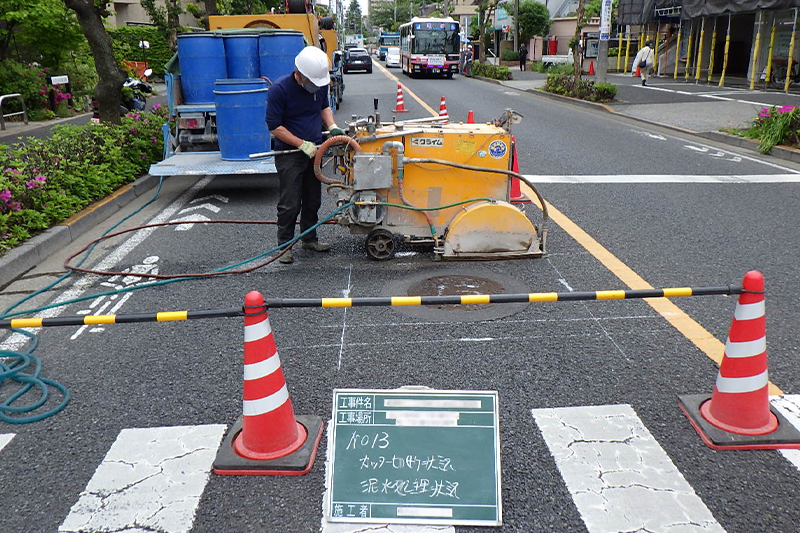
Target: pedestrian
<point x="298" y="106"/>
<point x="468" y="61"/>
<point x="523" y="56"/>
<point x="644" y="60"/>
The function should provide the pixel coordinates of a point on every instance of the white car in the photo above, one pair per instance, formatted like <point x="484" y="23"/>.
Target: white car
<point x="393" y="57"/>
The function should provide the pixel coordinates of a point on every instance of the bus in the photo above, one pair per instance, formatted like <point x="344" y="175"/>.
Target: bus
<point x="429" y="46"/>
<point x="387" y="39"/>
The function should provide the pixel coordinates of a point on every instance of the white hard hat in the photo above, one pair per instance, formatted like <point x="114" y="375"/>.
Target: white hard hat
<point x="312" y="63"/>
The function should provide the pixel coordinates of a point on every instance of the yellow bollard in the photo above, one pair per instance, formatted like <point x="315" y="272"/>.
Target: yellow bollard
<point x="755" y="53"/>
<point x="678" y="50"/>
<point x="713" y="49"/>
<point x="789" y="64"/>
<point x="725" y="54"/>
<point x="768" y="74"/>
<point x="700" y="50"/>
<point x="688" y="67"/>
<point x="628" y="50"/>
<point x="619" y="51"/>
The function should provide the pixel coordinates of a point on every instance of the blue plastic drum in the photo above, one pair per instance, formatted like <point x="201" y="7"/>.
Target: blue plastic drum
<point x="241" y="55"/>
<point x="202" y="61"/>
<point x="241" y="118"/>
<point x="277" y="51"/>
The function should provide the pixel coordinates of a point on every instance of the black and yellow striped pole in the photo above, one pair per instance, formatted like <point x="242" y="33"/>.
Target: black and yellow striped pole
<point x="383" y="301"/>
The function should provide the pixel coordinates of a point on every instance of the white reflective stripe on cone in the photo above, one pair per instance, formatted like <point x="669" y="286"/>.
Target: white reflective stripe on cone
<point x="746" y="348"/>
<point x="749" y="311"/>
<point x="262" y="368"/>
<point x="256" y="332"/>
<point x="747" y="384"/>
<point x="267" y="404"/>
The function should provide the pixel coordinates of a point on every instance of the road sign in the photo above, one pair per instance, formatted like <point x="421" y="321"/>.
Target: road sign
<point x="415" y="456"/>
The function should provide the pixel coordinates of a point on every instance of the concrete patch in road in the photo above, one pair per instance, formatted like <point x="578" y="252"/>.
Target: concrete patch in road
<point x="5" y="439"/>
<point x="618" y="475"/>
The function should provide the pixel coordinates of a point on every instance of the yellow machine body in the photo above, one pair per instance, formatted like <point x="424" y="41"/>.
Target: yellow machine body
<point x="483" y="224"/>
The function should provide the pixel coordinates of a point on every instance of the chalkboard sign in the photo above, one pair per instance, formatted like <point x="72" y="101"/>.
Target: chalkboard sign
<point x="415" y="456"/>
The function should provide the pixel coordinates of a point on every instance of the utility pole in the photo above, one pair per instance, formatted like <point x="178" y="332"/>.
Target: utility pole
<point x="605" y="35"/>
<point x="516" y="25"/>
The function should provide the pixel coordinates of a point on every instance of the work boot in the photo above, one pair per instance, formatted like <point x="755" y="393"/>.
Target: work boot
<point x="286" y="258"/>
<point x="317" y="246"/>
<point x="644" y="82"/>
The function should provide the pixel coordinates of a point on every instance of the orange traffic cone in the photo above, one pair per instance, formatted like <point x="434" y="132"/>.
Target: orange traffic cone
<point x="267" y="439"/>
<point x="470" y="117"/>
<point x="443" y="110"/>
<point x="516" y="196"/>
<point x="738" y="415"/>
<point x="400" y="107"/>
<point x="591" y="68"/>
<point x="638" y="72"/>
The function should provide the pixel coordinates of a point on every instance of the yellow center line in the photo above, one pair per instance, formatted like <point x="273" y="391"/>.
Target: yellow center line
<point x="686" y="325"/>
<point x="673" y="314"/>
<point x="406" y="90"/>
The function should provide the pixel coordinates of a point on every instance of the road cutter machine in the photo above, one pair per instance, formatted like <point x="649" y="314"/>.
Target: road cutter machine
<point x="427" y="182"/>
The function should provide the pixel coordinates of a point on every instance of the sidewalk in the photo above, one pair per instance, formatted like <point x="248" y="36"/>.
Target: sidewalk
<point x="686" y="106"/>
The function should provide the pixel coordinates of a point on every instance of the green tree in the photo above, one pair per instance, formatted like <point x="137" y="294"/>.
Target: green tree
<point x="353" y="17"/>
<point x="575" y="42"/>
<point x="534" y="19"/>
<point x="593" y="10"/>
<point x="45" y="28"/>
<point x="166" y="18"/>
<point x="90" y="15"/>
<point x="486" y="9"/>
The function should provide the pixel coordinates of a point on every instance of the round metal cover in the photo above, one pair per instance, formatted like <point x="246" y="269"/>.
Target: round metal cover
<point x="457" y="281"/>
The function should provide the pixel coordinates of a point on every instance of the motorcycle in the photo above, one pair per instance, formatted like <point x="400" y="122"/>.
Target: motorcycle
<point x="136" y="99"/>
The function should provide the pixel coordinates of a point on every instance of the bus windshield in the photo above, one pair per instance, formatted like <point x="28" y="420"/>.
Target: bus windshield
<point x="435" y="41"/>
<point x="390" y="40"/>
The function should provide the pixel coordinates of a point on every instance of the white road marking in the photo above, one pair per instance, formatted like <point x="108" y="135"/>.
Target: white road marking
<point x="667" y="178"/>
<point x="223" y="199"/>
<point x="17" y="340"/>
<point x="5" y="439"/>
<point x="789" y="406"/>
<point x="194" y="217"/>
<point x="713" y="95"/>
<point x="343" y="527"/>
<point x="150" y="480"/>
<point x="618" y="475"/>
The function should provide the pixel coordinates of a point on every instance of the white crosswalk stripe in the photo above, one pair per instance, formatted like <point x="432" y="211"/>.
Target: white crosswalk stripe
<point x="618" y="475"/>
<point x="667" y="178"/>
<point x="5" y="439"/>
<point x="150" y="480"/>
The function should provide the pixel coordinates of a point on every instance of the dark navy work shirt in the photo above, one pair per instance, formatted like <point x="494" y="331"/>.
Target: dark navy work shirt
<point x="297" y="110"/>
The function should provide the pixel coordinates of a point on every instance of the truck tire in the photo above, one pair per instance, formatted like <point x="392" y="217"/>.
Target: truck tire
<point x="326" y="23"/>
<point x="296" y="6"/>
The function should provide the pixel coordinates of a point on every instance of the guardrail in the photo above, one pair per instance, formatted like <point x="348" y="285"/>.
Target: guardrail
<point x="3" y="116"/>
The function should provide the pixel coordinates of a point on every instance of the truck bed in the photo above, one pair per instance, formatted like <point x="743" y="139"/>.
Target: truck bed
<point x="210" y="163"/>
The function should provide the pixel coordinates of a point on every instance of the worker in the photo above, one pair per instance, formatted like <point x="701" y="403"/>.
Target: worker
<point x="298" y="106"/>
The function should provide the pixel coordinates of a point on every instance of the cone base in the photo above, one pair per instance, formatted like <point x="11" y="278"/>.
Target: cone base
<point x="242" y="450"/>
<point x="769" y="427"/>
<point x="399" y="110"/>
<point x="786" y="436"/>
<point x="297" y="463"/>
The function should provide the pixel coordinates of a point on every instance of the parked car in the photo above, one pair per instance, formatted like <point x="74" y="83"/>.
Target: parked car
<point x="393" y="57"/>
<point x="357" y="59"/>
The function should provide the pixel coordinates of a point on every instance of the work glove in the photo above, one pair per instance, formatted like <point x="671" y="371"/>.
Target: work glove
<point x="308" y="148"/>
<point x="335" y="130"/>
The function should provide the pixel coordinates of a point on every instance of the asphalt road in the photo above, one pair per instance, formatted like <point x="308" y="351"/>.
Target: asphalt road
<point x="538" y="356"/>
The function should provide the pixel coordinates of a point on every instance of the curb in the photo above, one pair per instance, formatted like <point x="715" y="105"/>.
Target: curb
<point x="27" y="255"/>
<point x="779" y="152"/>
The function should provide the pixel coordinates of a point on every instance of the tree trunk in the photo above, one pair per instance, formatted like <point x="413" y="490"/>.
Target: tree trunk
<point x="110" y="76"/>
<point x="211" y="10"/>
<point x="577" y="52"/>
<point x="173" y="23"/>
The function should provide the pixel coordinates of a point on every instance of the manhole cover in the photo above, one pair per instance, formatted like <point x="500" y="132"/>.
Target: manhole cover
<point x="456" y="281"/>
<point x="456" y="285"/>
